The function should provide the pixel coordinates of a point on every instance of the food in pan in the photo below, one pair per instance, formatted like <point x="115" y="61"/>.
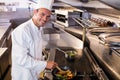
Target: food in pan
<point x="64" y="75"/>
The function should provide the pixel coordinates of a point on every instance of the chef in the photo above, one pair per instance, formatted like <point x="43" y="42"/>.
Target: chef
<point x="27" y="41"/>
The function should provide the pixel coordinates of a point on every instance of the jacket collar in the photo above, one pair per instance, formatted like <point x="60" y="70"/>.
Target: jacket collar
<point x="34" y="27"/>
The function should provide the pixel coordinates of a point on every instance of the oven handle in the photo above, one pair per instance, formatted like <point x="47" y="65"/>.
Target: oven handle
<point x="114" y="49"/>
<point x="111" y="48"/>
<point x="105" y="35"/>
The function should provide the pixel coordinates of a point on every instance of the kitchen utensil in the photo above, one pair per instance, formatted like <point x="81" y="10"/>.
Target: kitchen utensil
<point x="66" y="70"/>
<point x="59" y="69"/>
<point x="69" y="55"/>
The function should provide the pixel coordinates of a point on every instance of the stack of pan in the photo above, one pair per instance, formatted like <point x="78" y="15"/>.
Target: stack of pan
<point x="105" y="45"/>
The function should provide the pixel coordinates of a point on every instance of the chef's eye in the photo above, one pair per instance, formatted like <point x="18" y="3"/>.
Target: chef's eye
<point x="48" y="17"/>
<point x="42" y="14"/>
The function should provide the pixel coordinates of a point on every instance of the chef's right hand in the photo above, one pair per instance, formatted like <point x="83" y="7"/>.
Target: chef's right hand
<point x="51" y="65"/>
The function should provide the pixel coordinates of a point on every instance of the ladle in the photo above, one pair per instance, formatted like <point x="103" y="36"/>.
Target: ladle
<point x="68" y="55"/>
<point x="63" y="52"/>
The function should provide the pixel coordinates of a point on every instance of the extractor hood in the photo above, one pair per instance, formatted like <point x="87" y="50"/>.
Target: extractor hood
<point x="90" y="3"/>
<point x="94" y="3"/>
<point x="112" y="3"/>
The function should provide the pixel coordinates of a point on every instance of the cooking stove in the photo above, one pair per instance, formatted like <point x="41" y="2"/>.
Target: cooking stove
<point x="105" y="46"/>
<point x="80" y="76"/>
<point x="82" y="65"/>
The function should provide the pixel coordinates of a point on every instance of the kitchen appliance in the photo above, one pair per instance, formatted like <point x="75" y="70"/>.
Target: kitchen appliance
<point x="110" y="39"/>
<point x="105" y="47"/>
<point x="64" y="17"/>
<point x="66" y="73"/>
<point x="115" y="4"/>
<point x="81" y="66"/>
<point x="69" y="55"/>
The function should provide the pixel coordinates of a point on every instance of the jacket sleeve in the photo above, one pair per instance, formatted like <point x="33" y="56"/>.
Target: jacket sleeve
<point x="20" y="53"/>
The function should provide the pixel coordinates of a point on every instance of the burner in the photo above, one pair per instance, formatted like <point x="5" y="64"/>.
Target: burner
<point x="84" y="76"/>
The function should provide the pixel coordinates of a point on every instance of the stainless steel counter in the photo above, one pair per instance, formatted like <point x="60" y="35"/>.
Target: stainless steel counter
<point x="3" y="61"/>
<point x="107" y="57"/>
<point x="4" y="32"/>
<point x="64" y="39"/>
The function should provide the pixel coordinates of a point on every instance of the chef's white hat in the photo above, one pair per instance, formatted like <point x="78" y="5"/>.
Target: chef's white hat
<point x="44" y="4"/>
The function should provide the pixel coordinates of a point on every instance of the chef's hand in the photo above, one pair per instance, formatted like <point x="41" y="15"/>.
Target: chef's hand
<point x="51" y="65"/>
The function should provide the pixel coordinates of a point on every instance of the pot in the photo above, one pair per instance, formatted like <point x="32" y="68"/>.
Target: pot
<point x="59" y="76"/>
<point x="69" y="55"/>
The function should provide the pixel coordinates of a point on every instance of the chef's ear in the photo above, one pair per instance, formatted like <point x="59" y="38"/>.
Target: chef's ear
<point x="35" y="11"/>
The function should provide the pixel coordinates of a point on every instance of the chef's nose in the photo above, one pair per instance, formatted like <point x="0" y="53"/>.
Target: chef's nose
<point x="45" y="18"/>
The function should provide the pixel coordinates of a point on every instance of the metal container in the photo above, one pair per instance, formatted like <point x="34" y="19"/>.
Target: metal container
<point x="64" y="17"/>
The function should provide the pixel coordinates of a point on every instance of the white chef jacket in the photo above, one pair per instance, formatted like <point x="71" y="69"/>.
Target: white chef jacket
<point x="27" y="60"/>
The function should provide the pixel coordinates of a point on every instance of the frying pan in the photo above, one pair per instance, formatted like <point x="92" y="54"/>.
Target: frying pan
<point x="69" y="55"/>
<point x="64" y="68"/>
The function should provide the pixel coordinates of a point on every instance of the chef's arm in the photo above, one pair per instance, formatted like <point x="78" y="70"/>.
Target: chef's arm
<point x="21" y="56"/>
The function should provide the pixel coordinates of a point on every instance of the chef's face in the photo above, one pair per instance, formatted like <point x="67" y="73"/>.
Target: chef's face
<point x="42" y="16"/>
